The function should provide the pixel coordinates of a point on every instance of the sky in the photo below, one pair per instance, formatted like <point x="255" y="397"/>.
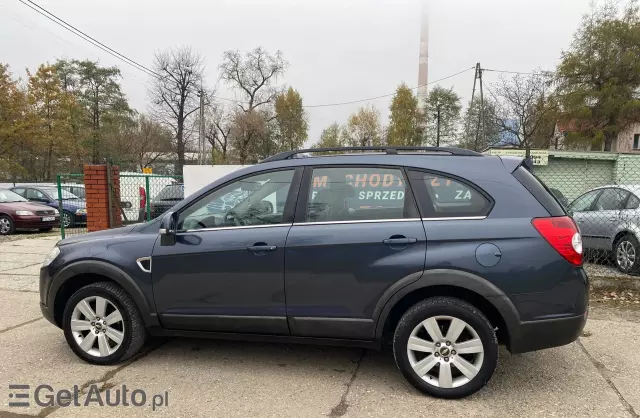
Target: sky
<point x="337" y="50"/>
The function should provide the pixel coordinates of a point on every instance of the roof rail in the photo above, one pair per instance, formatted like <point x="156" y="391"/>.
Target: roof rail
<point x="389" y="149"/>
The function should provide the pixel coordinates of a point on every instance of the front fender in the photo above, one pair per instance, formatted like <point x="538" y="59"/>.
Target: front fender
<point x="145" y="306"/>
<point x="450" y="278"/>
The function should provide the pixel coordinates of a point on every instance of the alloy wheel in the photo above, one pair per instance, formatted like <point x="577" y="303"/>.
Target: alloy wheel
<point x="445" y="351"/>
<point x="97" y="326"/>
<point x="626" y="255"/>
<point x="5" y="226"/>
<point x="66" y="220"/>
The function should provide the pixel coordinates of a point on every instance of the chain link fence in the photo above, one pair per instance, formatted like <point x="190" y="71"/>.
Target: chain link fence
<point x="145" y="196"/>
<point x="602" y="192"/>
<point x="72" y="204"/>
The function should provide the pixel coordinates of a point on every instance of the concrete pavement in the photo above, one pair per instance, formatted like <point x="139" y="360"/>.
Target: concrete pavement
<point x="599" y="376"/>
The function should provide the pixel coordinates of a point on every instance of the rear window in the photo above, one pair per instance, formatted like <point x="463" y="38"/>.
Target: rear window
<point x="540" y="191"/>
<point x="173" y="192"/>
<point x="445" y="197"/>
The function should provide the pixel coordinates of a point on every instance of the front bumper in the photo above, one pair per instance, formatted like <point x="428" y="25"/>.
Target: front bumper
<point x="46" y="305"/>
<point x="35" y="222"/>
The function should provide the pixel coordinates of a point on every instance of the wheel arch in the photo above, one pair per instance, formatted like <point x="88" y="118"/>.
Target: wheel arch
<point x="485" y="296"/>
<point x="82" y="273"/>
<point x="619" y="236"/>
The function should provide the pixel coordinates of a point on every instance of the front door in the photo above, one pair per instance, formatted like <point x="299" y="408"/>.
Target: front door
<point x="225" y="272"/>
<point x="357" y="233"/>
<point x="608" y="216"/>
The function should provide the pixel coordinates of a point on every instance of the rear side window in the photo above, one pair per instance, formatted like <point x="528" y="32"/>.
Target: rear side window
<point x="540" y="191"/>
<point x="446" y="197"/>
<point x="339" y="194"/>
<point x="633" y="202"/>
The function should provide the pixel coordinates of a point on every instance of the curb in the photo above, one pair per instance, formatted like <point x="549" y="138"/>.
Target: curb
<point x="614" y="283"/>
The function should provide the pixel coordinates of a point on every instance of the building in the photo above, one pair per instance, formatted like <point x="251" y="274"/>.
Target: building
<point x="628" y="141"/>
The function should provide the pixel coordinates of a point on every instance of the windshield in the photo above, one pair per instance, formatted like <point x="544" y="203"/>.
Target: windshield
<point x="52" y="192"/>
<point x="7" y="196"/>
<point x="172" y="192"/>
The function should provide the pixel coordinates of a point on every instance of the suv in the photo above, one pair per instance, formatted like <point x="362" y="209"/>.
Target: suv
<point x="440" y="253"/>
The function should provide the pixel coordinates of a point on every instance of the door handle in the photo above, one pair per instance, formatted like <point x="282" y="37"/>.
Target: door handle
<point x="261" y="248"/>
<point x="613" y="218"/>
<point x="400" y="241"/>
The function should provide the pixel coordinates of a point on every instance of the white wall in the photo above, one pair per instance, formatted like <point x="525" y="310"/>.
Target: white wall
<point x="198" y="176"/>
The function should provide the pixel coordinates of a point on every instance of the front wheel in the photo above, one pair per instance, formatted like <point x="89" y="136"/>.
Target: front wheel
<point x="445" y="347"/>
<point x="7" y="227"/>
<point x="627" y="254"/>
<point x="102" y="324"/>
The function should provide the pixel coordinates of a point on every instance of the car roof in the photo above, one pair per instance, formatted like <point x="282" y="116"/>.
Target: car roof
<point x="633" y="188"/>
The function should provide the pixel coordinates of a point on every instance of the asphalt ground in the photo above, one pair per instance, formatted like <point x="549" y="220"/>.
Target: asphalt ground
<point x="597" y="376"/>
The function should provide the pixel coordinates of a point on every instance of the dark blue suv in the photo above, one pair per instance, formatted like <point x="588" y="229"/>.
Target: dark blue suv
<point x="440" y="253"/>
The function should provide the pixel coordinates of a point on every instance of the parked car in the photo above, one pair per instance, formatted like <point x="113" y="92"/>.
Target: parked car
<point x="74" y="209"/>
<point x="166" y="199"/>
<point x="440" y="253"/>
<point x="16" y="212"/>
<point x="609" y="220"/>
<point x="76" y="189"/>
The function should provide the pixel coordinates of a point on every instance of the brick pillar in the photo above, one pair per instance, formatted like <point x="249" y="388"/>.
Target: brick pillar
<point x="97" y="192"/>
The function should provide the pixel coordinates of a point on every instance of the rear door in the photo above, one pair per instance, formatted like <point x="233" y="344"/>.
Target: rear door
<point x="582" y="211"/>
<point x="356" y="233"/>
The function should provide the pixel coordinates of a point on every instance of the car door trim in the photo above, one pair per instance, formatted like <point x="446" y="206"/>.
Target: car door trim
<point x="366" y="221"/>
<point x="271" y="325"/>
<point x="226" y="228"/>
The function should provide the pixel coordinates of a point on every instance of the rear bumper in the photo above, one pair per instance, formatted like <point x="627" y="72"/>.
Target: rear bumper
<point x="538" y="335"/>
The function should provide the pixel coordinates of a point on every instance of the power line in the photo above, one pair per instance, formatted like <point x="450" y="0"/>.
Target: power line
<point x="86" y="37"/>
<point x="388" y="95"/>
<point x="506" y="72"/>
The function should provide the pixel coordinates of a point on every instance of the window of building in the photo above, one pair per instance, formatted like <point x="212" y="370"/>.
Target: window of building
<point x="636" y="141"/>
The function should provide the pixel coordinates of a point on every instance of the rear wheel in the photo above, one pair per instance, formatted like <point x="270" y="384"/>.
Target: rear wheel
<point x="7" y="227"/>
<point x="68" y="220"/>
<point x="627" y="254"/>
<point x="445" y="347"/>
<point x="102" y="324"/>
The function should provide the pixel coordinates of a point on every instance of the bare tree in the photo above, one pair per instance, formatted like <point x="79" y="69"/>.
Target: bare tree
<point x="175" y="94"/>
<point x="152" y="141"/>
<point x="218" y="126"/>
<point x="253" y="76"/>
<point x="525" y="109"/>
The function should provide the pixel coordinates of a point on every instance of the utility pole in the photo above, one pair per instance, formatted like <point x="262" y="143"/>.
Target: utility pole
<point x="438" y="126"/>
<point x="202" y="159"/>
<point x="480" y="123"/>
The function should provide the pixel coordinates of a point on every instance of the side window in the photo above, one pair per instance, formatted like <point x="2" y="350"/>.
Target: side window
<point x="251" y="201"/>
<point x="444" y="197"/>
<point x="611" y="199"/>
<point x="584" y="202"/>
<point x="633" y="202"/>
<point x="34" y="194"/>
<point x="358" y="194"/>
<point x="21" y="192"/>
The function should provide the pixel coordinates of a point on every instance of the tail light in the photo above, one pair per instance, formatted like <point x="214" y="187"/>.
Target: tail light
<point x="563" y="235"/>
<point x="143" y="197"/>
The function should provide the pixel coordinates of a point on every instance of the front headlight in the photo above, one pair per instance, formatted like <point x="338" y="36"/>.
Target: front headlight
<point x="24" y="213"/>
<point x="81" y="212"/>
<point x="51" y="256"/>
<point x="55" y="212"/>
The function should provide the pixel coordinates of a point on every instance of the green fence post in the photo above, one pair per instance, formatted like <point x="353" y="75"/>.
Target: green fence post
<point x="60" y="206"/>
<point x="148" y="201"/>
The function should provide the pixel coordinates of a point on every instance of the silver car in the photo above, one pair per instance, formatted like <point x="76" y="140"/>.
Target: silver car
<point x="609" y="219"/>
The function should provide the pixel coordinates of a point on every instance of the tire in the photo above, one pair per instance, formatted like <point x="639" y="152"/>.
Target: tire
<point x="45" y="229"/>
<point x="131" y="325"/>
<point x="7" y="227"/>
<point x="473" y="326"/>
<point x="626" y="254"/>
<point x="68" y="219"/>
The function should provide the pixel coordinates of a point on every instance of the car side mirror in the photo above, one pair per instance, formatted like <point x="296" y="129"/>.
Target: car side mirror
<point x="168" y="229"/>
